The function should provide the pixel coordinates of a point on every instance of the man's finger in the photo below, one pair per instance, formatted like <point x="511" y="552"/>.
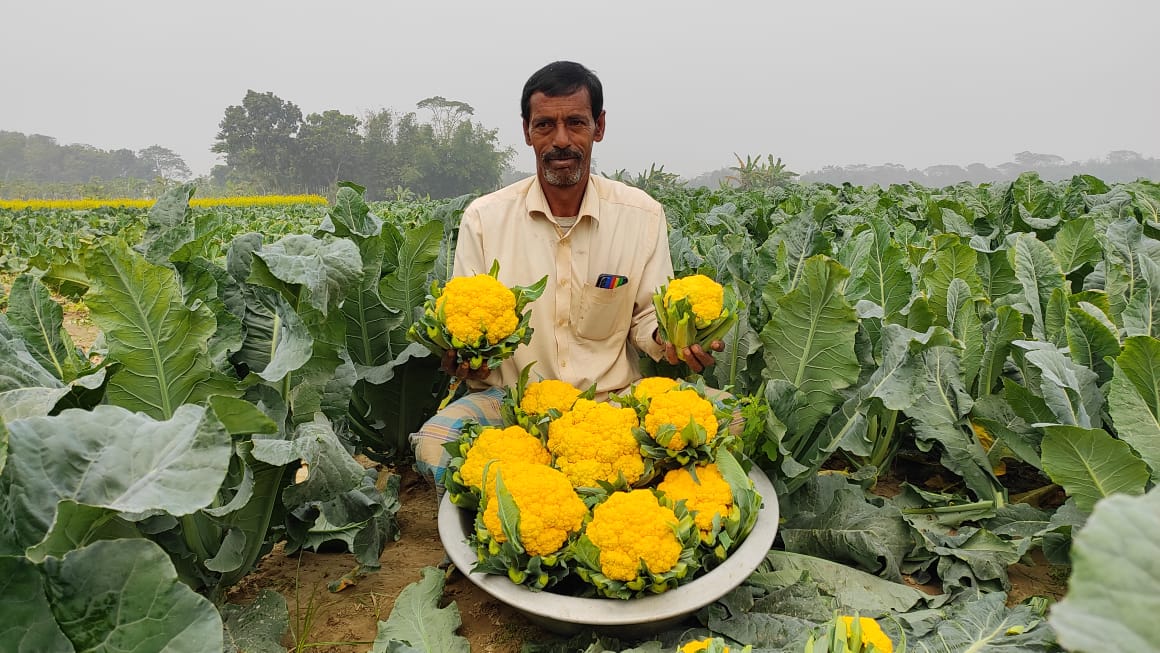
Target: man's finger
<point x="671" y="354"/>
<point x="717" y="345"/>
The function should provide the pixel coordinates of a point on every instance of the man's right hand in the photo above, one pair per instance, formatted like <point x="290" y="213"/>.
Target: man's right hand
<point x="462" y="370"/>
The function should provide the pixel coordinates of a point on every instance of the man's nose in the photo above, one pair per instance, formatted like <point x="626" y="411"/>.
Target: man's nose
<point x="560" y="136"/>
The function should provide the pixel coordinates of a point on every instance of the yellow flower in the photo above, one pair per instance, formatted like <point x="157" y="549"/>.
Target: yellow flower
<point x="542" y="396"/>
<point x="872" y="634"/>
<point x="478" y="307"/>
<point x="133" y="203"/>
<point x="699" y="645"/>
<point x="706" y="296"/>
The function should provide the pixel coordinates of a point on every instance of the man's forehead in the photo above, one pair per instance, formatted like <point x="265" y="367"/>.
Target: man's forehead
<point x="575" y="102"/>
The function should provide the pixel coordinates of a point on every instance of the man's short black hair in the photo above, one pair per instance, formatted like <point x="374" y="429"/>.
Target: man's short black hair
<point x="562" y="78"/>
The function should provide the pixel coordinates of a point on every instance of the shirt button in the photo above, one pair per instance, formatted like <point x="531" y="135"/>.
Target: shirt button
<point x="562" y="322"/>
<point x="563" y="363"/>
<point x="563" y="282"/>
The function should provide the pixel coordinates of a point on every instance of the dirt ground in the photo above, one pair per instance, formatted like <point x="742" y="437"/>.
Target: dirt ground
<point x="349" y="619"/>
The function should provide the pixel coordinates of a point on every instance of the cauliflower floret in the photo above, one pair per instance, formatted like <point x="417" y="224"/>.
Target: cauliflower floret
<point x="707" y="496"/>
<point x="594" y="441"/>
<point x="477" y="308"/>
<point x="631" y="527"/>
<point x="677" y="407"/>
<point x="542" y="396"/>
<point x="706" y="296"/>
<point x="501" y="445"/>
<point x="550" y="509"/>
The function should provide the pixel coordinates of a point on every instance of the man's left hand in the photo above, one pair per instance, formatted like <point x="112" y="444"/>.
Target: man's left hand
<point x="695" y="356"/>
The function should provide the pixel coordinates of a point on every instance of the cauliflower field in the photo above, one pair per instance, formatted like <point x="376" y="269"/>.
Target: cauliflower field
<point x="941" y="383"/>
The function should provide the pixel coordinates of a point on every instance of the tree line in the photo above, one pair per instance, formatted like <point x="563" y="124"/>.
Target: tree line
<point x="40" y="159"/>
<point x="268" y="144"/>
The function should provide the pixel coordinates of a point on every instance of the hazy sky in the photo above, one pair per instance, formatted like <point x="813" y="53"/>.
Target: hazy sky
<point x="813" y="81"/>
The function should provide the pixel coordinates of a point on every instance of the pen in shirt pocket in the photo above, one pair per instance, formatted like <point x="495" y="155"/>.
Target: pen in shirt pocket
<point x="611" y="281"/>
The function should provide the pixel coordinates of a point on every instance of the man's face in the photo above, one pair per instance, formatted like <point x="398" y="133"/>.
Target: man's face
<point x="561" y="131"/>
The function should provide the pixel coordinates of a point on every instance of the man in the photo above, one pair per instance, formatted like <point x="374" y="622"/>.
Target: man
<point x="574" y="228"/>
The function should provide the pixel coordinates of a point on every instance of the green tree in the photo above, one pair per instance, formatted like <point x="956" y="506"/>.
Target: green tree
<point x="259" y="141"/>
<point x="165" y="163"/>
<point x="331" y="149"/>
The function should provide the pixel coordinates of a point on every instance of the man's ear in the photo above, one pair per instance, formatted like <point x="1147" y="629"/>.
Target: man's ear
<point x="527" y="136"/>
<point x="599" y="136"/>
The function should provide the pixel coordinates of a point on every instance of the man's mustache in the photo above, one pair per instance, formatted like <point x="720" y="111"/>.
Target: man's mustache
<point x="562" y="153"/>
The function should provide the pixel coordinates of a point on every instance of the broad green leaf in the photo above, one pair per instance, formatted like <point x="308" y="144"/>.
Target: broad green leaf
<point x="938" y="412"/>
<point x="230" y="555"/>
<point x="853" y="590"/>
<point x="986" y="555"/>
<point x="994" y="414"/>
<point x="18" y="368"/>
<point x="28" y="623"/>
<point x="208" y="283"/>
<point x="1134" y="399"/>
<point x="1114" y="590"/>
<point x="350" y="214"/>
<point x="332" y="470"/>
<point x="832" y="519"/>
<point x="257" y="627"/>
<point x="968" y="330"/>
<point x="809" y="340"/>
<point x="1141" y="316"/>
<point x="1008" y="327"/>
<point x="1026" y="404"/>
<point x="416" y="619"/>
<point x="125" y="595"/>
<point x="374" y="331"/>
<point x="954" y="261"/>
<point x="170" y="225"/>
<point x="1055" y="318"/>
<point x="404" y="287"/>
<point x="800" y="238"/>
<point x="277" y="342"/>
<point x="159" y="343"/>
<point x="112" y="458"/>
<point x="324" y="268"/>
<point x="38" y="319"/>
<point x="886" y="280"/>
<point x="28" y="402"/>
<point x="980" y="623"/>
<point x="1090" y="341"/>
<point x="1039" y="275"/>
<point x="1075" y="245"/>
<point x="740" y="344"/>
<point x="240" y="417"/>
<point x="1069" y="390"/>
<point x="78" y="525"/>
<point x="997" y="275"/>
<point x="1090" y="464"/>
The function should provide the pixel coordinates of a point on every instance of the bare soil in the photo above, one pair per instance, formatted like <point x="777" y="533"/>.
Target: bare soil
<point x="347" y="621"/>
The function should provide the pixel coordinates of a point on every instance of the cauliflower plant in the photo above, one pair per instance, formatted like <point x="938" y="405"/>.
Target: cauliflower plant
<point x="595" y="442"/>
<point x="684" y="427"/>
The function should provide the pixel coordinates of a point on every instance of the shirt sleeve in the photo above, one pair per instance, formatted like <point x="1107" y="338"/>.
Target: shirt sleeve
<point x="658" y="269"/>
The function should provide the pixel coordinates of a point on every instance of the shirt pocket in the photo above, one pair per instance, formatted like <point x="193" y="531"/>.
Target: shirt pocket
<point x="603" y="312"/>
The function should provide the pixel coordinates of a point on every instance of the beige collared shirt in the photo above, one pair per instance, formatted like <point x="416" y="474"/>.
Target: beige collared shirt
<point x="582" y="334"/>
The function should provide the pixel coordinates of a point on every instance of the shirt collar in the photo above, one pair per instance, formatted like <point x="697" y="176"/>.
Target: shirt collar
<point x="589" y="206"/>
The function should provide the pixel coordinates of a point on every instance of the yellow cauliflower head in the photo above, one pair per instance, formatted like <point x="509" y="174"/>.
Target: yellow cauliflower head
<point x="872" y="633"/>
<point x="706" y="496"/>
<point x="594" y="441"/>
<point x="677" y="407"/>
<point x="550" y="510"/>
<point x="631" y="527"/>
<point x="511" y="444"/>
<point x="477" y="308"/>
<point x="706" y="296"/>
<point x="651" y="386"/>
<point x="542" y="396"/>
